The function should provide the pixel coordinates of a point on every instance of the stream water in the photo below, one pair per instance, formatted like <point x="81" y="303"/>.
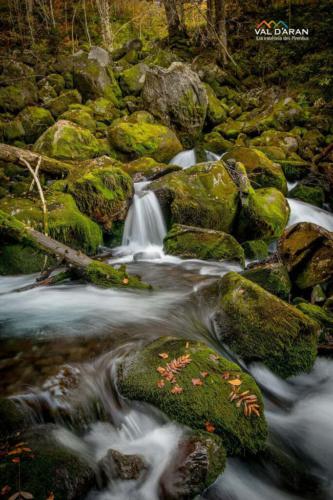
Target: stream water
<point x="89" y="330"/>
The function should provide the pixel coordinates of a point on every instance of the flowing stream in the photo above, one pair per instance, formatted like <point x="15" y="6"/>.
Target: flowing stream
<point x="90" y="330"/>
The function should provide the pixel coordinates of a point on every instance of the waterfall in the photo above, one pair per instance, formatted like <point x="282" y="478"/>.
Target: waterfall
<point x="144" y="226"/>
<point x="187" y="159"/>
<point x="301" y="212"/>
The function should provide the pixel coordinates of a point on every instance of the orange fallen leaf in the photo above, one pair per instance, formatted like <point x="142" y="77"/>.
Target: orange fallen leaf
<point x="197" y="381"/>
<point x="163" y="355"/>
<point x="209" y="426"/>
<point x="160" y="384"/>
<point x="16" y="460"/>
<point x="176" y="389"/>
<point x="125" y="281"/>
<point x="225" y="375"/>
<point x="204" y="374"/>
<point x="235" y="382"/>
<point x="160" y="370"/>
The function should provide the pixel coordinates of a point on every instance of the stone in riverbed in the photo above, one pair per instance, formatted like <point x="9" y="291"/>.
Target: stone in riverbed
<point x="116" y="465"/>
<point x="197" y="243"/>
<point x="255" y="249"/>
<point x="261" y="327"/>
<point x="198" y="406"/>
<point x="272" y="276"/>
<point x="146" y="168"/>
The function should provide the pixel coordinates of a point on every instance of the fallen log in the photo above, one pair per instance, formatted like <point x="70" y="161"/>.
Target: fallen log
<point x="12" y="154"/>
<point x="80" y="265"/>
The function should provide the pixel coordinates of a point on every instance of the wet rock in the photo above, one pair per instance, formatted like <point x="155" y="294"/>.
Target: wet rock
<point x="204" y="196"/>
<point x="12" y="417"/>
<point x="195" y="243"/>
<point x="261" y="327"/>
<point x="116" y="465"/>
<point x="148" y="169"/>
<point x="287" y="141"/>
<point x="199" y="460"/>
<point x="177" y="97"/>
<point x="215" y="143"/>
<point x="67" y="141"/>
<point x="199" y="398"/>
<point x="307" y="251"/>
<point x="308" y="193"/>
<point x="255" y="249"/>
<point x="58" y="105"/>
<point x="272" y="276"/>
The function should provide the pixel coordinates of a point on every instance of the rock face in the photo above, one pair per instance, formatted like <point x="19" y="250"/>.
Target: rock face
<point x="138" y="139"/>
<point x="203" y="196"/>
<point x="67" y="141"/>
<point x="196" y="243"/>
<point x="200" y="395"/>
<point x="261" y="327"/>
<point x="176" y="96"/>
<point x="307" y="251"/>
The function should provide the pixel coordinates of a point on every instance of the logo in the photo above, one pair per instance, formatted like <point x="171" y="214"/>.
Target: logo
<point x="279" y="30"/>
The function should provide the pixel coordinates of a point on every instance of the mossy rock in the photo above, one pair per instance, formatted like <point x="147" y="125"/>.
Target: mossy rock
<point x="13" y="98"/>
<point x="272" y="276"/>
<point x="58" y="105"/>
<point x="316" y="313"/>
<point x="196" y="243"/>
<point x="274" y="153"/>
<point x="216" y="112"/>
<point x="294" y="167"/>
<point x="229" y="129"/>
<point x="104" y="195"/>
<point x="106" y="276"/>
<point x="285" y="141"/>
<point x="49" y="467"/>
<point x="67" y="141"/>
<point x="203" y="196"/>
<point x="81" y="117"/>
<point x="12" y="130"/>
<point x="66" y="223"/>
<point x="259" y="326"/>
<point x="132" y="80"/>
<point x="264" y="215"/>
<point x="146" y="168"/>
<point x="35" y="121"/>
<point x="103" y="110"/>
<point x="22" y="259"/>
<point x="145" y="139"/>
<point x="314" y="195"/>
<point x="261" y="171"/>
<point x="255" y="249"/>
<point x="215" y="143"/>
<point x="56" y="81"/>
<point x="12" y="417"/>
<point x="195" y="406"/>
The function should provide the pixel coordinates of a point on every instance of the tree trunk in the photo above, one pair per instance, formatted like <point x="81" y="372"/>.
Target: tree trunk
<point x="173" y="20"/>
<point x="220" y="27"/>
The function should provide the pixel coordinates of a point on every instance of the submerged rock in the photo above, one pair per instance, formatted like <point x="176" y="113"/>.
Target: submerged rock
<point x="261" y="327"/>
<point x="177" y="97"/>
<point x="197" y="243"/>
<point x="203" y="196"/>
<point x="116" y="465"/>
<point x="200" y="396"/>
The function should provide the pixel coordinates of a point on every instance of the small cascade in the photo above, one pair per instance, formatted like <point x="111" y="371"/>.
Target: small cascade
<point x="187" y="159"/>
<point x="144" y="226"/>
<point x="304" y="212"/>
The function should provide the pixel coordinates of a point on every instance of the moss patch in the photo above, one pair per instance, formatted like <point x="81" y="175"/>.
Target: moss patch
<point x="272" y="276"/>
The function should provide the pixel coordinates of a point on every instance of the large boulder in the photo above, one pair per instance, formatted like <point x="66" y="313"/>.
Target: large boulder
<point x="35" y="121"/>
<point x="198" y="392"/>
<point x="82" y="117"/>
<point x="307" y="251"/>
<point x="197" y="243"/>
<point x="177" y="97"/>
<point x="261" y="171"/>
<point x="93" y="75"/>
<point x="138" y="139"/>
<point x="204" y="195"/>
<point x="67" y="141"/>
<point x="258" y="326"/>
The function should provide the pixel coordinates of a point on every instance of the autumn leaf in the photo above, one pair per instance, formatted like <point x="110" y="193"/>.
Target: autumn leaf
<point x="16" y="460"/>
<point x="160" y="370"/>
<point x="225" y="375"/>
<point x="160" y="384"/>
<point x="235" y="382"/>
<point x="163" y="355"/>
<point x="125" y="281"/>
<point x="197" y="381"/>
<point x="204" y="374"/>
<point x="209" y="426"/>
<point x="5" y="490"/>
<point x="176" y="389"/>
<point x="27" y="450"/>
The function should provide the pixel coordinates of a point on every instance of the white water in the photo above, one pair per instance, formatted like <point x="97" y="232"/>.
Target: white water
<point x="188" y="158"/>
<point x="304" y="212"/>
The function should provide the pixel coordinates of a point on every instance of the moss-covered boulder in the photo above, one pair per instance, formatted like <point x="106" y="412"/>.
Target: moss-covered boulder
<point x="93" y="75"/>
<point x="261" y="171"/>
<point x="294" y="167"/>
<point x="17" y="258"/>
<point x="177" y="97"/>
<point x="12" y="417"/>
<point x="197" y="243"/>
<point x="258" y="326"/>
<point x="317" y="313"/>
<point x="132" y="80"/>
<point x="272" y="276"/>
<point x="81" y="117"/>
<point x="287" y="141"/>
<point x="203" y="196"/>
<point x="104" y="194"/>
<point x="103" y="110"/>
<point x="66" y="223"/>
<point x="216" y="143"/>
<point x="12" y="131"/>
<point x="314" y="195"/>
<point x="67" y="141"/>
<point x="146" y="168"/>
<point x="105" y="276"/>
<point x="46" y="466"/>
<point x="54" y="80"/>
<point x="13" y="98"/>
<point x="144" y="139"/>
<point x="307" y="251"/>
<point x="58" y="105"/>
<point x="199" y="394"/>
<point x="216" y="112"/>
<point x="35" y="121"/>
<point x="255" y="249"/>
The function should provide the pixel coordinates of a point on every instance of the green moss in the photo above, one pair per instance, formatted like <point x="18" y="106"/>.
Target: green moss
<point x="55" y="80"/>
<point x="215" y="111"/>
<point x="104" y="110"/>
<point x="273" y="277"/>
<point x="147" y="168"/>
<point x="203" y="196"/>
<point x="35" y="121"/>
<point x="316" y="313"/>
<point x="196" y="405"/>
<point x="215" y="143"/>
<point x="22" y="259"/>
<point x="131" y="80"/>
<point x="194" y="243"/>
<point x="261" y="327"/>
<point x="13" y="98"/>
<point x="145" y="139"/>
<point x="286" y="142"/>
<point x="80" y="117"/>
<point x="309" y="194"/>
<point x="261" y="171"/>
<point x="255" y="249"/>
<point x="67" y="141"/>
<point x="106" y="276"/>
<point x="295" y="168"/>
<point x="13" y="130"/>
<point x="58" y="105"/>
